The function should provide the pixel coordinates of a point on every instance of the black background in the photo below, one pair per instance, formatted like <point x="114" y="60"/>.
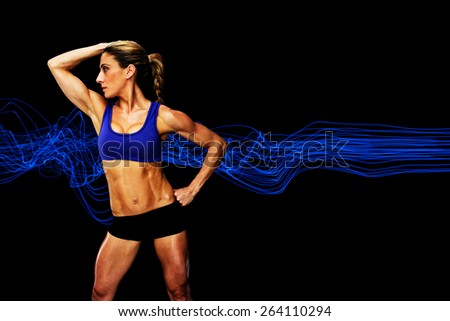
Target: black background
<point x="329" y="235"/>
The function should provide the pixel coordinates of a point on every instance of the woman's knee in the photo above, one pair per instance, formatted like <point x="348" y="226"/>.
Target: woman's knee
<point x="102" y="292"/>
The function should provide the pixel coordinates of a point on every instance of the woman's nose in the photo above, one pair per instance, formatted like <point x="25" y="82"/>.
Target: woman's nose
<point x="99" y="78"/>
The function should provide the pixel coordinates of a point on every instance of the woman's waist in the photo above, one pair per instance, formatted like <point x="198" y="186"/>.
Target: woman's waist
<point x="135" y="193"/>
<point x="128" y="207"/>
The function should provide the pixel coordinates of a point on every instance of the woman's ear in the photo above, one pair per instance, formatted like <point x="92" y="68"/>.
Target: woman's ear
<point x="131" y="70"/>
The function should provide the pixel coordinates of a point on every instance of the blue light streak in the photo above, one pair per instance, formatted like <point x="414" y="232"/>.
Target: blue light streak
<point x="263" y="163"/>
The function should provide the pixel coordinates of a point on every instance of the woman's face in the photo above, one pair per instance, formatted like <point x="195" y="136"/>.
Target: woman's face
<point x="111" y="76"/>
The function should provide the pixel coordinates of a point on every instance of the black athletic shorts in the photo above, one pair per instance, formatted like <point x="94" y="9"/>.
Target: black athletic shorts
<point x="163" y="221"/>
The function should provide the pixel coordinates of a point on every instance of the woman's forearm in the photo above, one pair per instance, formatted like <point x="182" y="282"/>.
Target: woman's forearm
<point x="213" y="159"/>
<point x="72" y="58"/>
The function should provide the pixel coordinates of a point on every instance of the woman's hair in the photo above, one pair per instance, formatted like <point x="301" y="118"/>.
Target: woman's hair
<point x="150" y="68"/>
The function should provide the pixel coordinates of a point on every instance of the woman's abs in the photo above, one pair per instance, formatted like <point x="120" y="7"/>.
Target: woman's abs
<point x="136" y="188"/>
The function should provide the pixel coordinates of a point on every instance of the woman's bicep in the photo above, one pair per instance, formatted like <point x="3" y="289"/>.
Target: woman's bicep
<point x="196" y="132"/>
<point x="203" y="136"/>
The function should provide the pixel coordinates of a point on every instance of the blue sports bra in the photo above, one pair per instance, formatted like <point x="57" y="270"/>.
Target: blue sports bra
<point x="141" y="146"/>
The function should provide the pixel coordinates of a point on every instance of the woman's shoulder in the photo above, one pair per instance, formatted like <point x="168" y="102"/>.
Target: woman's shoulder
<point x="170" y="113"/>
<point x="174" y="118"/>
